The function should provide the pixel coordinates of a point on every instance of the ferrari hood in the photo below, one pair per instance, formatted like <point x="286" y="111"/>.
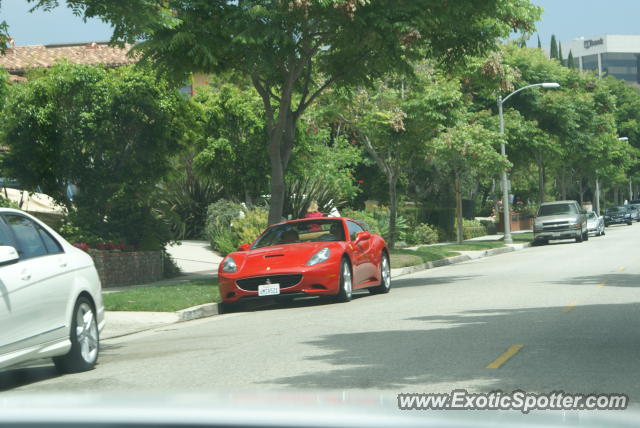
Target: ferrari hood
<point x="283" y="256"/>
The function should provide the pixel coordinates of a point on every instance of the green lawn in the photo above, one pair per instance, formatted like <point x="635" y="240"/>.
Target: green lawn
<point x="522" y="237"/>
<point x="164" y="298"/>
<point x="403" y="258"/>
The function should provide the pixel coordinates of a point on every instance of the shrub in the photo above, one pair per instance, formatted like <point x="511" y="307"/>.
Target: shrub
<point x="490" y="226"/>
<point x="170" y="267"/>
<point x="300" y="192"/>
<point x="248" y="228"/>
<point x="220" y="214"/>
<point x="473" y="229"/>
<point x="365" y="218"/>
<point x="77" y="235"/>
<point x="230" y="224"/>
<point x="224" y="242"/>
<point x="424" y="234"/>
<point x="6" y="203"/>
<point x="377" y="221"/>
<point x="182" y="204"/>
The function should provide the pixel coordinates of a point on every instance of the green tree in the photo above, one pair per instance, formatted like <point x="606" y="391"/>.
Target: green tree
<point x="465" y="152"/>
<point x="395" y="119"/>
<point x="570" y="61"/>
<point x="294" y="50"/>
<point x="108" y="132"/>
<point x="231" y="151"/>
<point x="553" y="50"/>
<point x="4" y="35"/>
<point x="560" y="56"/>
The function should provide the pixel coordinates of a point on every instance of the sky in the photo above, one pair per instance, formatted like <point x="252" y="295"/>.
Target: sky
<point x="567" y="19"/>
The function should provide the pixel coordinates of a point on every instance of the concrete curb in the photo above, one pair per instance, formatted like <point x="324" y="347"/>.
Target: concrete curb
<point x="472" y="255"/>
<point x="212" y="309"/>
<point x="200" y="311"/>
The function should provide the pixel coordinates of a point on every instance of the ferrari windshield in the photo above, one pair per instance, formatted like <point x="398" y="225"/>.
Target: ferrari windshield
<point x="302" y="231"/>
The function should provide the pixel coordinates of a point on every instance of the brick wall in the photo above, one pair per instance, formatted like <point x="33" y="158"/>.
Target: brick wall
<point x="128" y="268"/>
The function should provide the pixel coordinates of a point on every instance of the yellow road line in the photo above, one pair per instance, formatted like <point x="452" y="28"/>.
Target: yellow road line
<point x="568" y="307"/>
<point x="504" y="357"/>
<point x="603" y="283"/>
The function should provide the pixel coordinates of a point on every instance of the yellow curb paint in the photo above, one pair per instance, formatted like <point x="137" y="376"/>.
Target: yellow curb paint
<point x="568" y="307"/>
<point x="504" y="357"/>
<point x="603" y="283"/>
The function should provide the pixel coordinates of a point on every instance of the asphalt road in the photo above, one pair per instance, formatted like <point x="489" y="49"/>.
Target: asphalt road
<point x="573" y="308"/>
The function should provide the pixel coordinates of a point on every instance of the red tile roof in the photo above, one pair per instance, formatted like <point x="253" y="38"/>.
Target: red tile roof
<point x="18" y="59"/>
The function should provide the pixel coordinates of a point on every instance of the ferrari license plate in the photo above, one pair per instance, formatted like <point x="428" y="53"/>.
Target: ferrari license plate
<point x="268" y="289"/>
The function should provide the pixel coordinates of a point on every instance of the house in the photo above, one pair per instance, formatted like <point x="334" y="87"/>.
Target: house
<point x="18" y="60"/>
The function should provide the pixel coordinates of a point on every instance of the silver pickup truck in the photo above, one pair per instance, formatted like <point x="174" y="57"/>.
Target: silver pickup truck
<point x="560" y="220"/>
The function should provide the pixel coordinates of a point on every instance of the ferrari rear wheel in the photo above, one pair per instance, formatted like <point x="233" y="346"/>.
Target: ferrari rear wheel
<point x="346" y="282"/>
<point x="385" y="276"/>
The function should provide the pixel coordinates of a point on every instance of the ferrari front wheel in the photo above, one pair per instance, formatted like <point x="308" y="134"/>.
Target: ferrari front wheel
<point x="385" y="276"/>
<point x="346" y="282"/>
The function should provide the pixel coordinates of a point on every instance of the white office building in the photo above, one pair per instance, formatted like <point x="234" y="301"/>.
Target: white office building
<point x="615" y="55"/>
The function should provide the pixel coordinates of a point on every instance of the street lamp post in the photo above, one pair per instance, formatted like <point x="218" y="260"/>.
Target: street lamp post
<point x="630" y="182"/>
<point x="503" y="151"/>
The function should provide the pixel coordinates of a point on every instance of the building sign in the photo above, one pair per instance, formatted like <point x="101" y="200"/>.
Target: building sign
<point x="590" y="43"/>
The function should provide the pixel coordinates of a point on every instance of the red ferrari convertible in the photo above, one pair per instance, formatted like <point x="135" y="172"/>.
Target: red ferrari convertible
<point x="326" y="256"/>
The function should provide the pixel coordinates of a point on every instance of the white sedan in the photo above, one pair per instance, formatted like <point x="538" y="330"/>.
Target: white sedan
<point x="595" y="223"/>
<point x="50" y="297"/>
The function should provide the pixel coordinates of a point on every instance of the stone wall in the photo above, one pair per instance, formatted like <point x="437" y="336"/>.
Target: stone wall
<point x="118" y="269"/>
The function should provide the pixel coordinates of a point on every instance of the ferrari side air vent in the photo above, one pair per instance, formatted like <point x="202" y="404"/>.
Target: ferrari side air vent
<point x="273" y="255"/>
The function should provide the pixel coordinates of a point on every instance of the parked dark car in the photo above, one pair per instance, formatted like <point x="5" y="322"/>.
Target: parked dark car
<point x="621" y="214"/>
<point x="635" y="208"/>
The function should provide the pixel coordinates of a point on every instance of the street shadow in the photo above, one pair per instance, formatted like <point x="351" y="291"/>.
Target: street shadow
<point x="558" y="242"/>
<point x="576" y="351"/>
<point x="607" y="280"/>
<point x="26" y="375"/>
<point x="43" y="369"/>
<point x="403" y="282"/>
<point x="271" y="304"/>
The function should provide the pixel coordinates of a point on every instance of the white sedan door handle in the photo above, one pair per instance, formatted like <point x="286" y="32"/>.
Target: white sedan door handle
<point x="26" y="276"/>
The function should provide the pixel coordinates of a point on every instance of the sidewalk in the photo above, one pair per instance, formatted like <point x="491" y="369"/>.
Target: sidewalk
<point x="195" y="257"/>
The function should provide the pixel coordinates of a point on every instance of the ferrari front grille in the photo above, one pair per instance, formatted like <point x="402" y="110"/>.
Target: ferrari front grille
<point x="285" y="281"/>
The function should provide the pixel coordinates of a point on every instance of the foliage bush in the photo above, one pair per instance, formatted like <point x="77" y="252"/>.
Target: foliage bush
<point x="490" y="226"/>
<point x="6" y="203"/>
<point x="111" y="133"/>
<point x="473" y="229"/>
<point x="182" y="204"/>
<point x="76" y="234"/>
<point x="301" y="191"/>
<point x="170" y="267"/>
<point x="246" y="229"/>
<point x="220" y="214"/>
<point x="377" y="221"/>
<point x="365" y="218"/>
<point x="422" y="234"/>
<point x="230" y="224"/>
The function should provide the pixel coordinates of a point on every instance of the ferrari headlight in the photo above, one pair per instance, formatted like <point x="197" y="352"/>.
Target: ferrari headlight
<point x="319" y="257"/>
<point x="229" y="265"/>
